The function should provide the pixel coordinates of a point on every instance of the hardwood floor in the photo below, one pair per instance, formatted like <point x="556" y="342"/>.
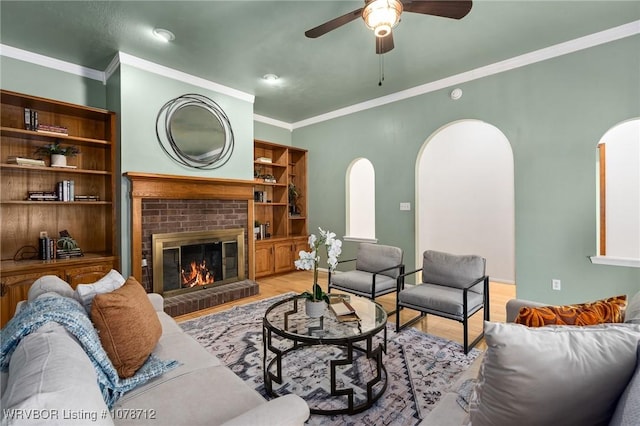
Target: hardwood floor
<point x="300" y="281"/>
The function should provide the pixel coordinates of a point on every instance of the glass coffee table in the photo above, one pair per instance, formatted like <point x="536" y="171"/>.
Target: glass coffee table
<point x="337" y="367"/>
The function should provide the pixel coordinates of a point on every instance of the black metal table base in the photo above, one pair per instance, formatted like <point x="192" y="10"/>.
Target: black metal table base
<point x="372" y="351"/>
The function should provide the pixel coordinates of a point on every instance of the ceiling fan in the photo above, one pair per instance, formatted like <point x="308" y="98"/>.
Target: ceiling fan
<point x="382" y="15"/>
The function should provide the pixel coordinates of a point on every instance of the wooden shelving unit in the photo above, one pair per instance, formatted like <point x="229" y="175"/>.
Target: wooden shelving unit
<point x="287" y="232"/>
<point x="90" y="223"/>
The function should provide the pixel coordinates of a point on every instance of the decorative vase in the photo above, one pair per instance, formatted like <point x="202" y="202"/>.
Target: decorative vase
<point x="58" y="160"/>
<point x="315" y="309"/>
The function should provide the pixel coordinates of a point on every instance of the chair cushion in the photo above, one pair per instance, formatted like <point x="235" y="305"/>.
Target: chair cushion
<point x="440" y="298"/>
<point x="374" y="257"/>
<point x="361" y="281"/>
<point x="450" y="269"/>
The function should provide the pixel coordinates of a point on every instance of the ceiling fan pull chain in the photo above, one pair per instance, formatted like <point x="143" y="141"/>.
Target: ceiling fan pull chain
<point x="380" y="69"/>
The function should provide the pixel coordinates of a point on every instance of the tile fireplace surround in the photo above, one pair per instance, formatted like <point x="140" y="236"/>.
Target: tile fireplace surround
<point x="168" y="203"/>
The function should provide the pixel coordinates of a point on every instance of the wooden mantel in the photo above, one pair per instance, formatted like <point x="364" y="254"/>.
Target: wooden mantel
<point x="161" y="186"/>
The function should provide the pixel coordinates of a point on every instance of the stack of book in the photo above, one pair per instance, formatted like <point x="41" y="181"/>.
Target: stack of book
<point x="52" y="129"/>
<point x="67" y="254"/>
<point x="87" y="198"/>
<point x="24" y="161"/>
<point x="42" y="196"/>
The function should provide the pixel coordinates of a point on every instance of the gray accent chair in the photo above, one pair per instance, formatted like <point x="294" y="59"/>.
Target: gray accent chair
<point x="377" y="268"/>
<point x="453" y="287"/>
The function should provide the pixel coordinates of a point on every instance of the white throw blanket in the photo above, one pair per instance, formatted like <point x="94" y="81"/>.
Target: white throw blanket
<point x="72" y="316"/>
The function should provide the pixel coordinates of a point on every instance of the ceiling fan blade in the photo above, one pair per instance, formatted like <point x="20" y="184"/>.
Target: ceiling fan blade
<point x="384" y="44"/>
<point x="455" y="9"/>
<point x="333" y="24"/>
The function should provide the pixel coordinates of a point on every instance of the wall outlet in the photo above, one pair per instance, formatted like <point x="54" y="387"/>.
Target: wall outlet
<point x="556" y="284"/>
<point x="405" y="206"/>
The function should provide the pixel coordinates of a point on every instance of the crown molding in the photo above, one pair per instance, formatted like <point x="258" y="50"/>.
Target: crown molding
<point x="152" y="67"/>
<point x="46" y="61"/>
<point x="273" y="122"/>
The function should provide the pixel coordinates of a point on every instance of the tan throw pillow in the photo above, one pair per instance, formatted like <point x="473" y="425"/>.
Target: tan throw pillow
<point x="128" y="326"/>
<point x="602" y="311"/>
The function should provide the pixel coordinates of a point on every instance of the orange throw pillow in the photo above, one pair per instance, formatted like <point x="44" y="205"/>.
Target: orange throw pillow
<point x="602" y="311"/>
<point x="128" y="326"/>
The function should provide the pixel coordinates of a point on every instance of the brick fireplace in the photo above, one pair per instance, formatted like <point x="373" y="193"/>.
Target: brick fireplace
<point x="166" y="204"/>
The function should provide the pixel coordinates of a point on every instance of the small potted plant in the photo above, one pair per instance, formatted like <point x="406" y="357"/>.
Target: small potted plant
<point x="57" y="152"/>
<point x="316" y="299"/>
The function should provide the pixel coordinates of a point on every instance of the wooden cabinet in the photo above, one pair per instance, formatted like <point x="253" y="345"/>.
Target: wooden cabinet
<point x="276" y="256"/>
<point x="263" y="258"/>
<point x="90" y="223"/>
<point x="279" y="172"/>
<point x="17" y="277"/>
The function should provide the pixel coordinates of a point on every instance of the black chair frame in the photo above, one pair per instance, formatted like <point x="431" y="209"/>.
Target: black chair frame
<point x="465" y="313"/>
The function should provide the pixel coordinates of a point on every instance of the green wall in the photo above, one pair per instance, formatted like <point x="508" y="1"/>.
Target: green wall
<point x="553" y="113"/>
<point x="142" y="95"/>
<point x="24" y="77"/>
<point x="270" y="133"/>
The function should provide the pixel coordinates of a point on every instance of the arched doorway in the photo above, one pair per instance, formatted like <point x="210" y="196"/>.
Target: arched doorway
<point x="465" y="196"/>
<point x="618" y="168"/>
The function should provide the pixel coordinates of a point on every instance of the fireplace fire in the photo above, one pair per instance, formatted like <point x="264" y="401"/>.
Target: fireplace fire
<point x="187" y="261"/>
<point x="197" y="274"/>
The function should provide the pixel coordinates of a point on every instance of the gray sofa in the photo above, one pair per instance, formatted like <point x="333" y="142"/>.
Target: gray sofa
<point x="527" y="376"/>
<point x="52" y="381"/>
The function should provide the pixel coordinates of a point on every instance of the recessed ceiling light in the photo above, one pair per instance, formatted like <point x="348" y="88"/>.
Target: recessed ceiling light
<point x="164" y="35"/>
<point x="270" y="78"/>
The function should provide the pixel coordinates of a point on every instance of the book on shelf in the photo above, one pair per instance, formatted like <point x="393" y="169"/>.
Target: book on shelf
<point x="27" y="118"/>
<point x="30" y="119"/>
<point x="263" y="160"/>
<point x="47" y="248"/>
<point x="52" y="129"/>
<point x="67" y="254"/>
<point x="87" y="198"/>
<point x="64" y="166"/>
<point x="66" y="190"/>
<point x="24" y="161"/>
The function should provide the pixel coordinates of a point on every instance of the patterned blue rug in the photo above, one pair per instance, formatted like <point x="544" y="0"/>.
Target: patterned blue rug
<point x="420" y="367"/>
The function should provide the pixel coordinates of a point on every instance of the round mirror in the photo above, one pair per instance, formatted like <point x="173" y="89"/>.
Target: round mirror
<point x="195" y="132"/>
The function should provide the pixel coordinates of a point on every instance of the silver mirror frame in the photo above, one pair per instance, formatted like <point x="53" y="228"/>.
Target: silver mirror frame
<point x="171" y="146"/>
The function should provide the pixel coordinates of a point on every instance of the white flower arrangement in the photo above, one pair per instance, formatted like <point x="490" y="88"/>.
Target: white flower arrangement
<point x="310" y="260"/>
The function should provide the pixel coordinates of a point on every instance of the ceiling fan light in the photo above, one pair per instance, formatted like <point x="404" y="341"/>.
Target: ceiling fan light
<point x="382" y="30"/>
<point x="382" y="15"/>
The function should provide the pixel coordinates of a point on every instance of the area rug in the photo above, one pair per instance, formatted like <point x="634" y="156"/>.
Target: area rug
<point x="420" y="367"/>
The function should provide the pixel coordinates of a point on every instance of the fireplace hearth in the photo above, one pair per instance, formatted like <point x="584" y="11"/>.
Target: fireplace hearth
<point x="189" y="261"/>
